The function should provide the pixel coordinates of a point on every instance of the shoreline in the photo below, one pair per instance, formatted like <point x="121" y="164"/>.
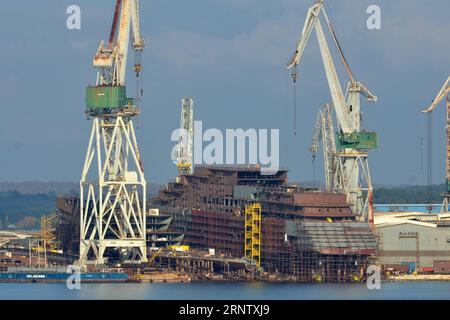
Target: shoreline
<point x="419" y="277"/>
<point x="396" y="279"/>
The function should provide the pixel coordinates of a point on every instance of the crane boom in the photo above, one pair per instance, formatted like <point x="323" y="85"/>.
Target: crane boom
<point x="123" y="41"/>
<point x="138" y="42"/>
<point x="310" y="22"/>
<point x="112" y="60"/>
<point x="442" y="93"/>
<point x="333" y="82"/>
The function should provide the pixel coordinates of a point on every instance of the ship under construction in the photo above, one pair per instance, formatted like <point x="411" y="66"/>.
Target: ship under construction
<point x="304" y="234"/>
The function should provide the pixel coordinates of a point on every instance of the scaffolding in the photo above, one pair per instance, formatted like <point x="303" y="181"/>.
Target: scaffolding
<point x="37" y="254"/>
<point x="253" y="232"/>
<point x="213" y="208"/>
<point x="48" y="235"/>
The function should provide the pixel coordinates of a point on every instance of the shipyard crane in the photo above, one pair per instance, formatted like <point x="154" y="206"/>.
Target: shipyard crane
<point x="113" y="186"/>
<point x="324" y="132"/>
<point x="444" y="93"/>
<point x="352" y="143"/>
<point x="184" y="155"/>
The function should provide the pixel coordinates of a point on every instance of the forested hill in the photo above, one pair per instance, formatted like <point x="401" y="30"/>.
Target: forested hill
<point x="22" y="204"/>
<point x="409" y="194"/>
<point x="24" y="208"/>
<point x="24" y="211"/>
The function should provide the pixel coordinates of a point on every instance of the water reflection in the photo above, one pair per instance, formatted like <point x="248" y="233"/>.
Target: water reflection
<point x="223" y="290"/>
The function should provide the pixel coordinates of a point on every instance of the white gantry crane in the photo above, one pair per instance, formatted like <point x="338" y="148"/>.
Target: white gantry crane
<point x="444" y="93"/>
<point x="184" y="155"/>
<point x="351" y="143"/>
<point x="112" y="186"/>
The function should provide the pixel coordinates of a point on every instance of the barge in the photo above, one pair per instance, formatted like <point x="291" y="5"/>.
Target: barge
<point x="48" y="277"/>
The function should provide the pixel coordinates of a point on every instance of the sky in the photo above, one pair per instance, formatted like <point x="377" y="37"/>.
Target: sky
<point x="229" y="56"/>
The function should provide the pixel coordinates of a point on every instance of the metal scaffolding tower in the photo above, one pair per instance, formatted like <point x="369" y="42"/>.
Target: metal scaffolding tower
<point x="253" y="233"/>
<point x="113" y="186"/>
<point x="48" y="231"/>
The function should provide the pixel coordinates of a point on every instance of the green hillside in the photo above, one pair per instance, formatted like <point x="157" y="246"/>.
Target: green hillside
<point x="409" y="194"/>
<point x="24" y="210"/>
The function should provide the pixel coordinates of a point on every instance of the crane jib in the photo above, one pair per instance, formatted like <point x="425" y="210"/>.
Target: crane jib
<point x="112" y="34"/>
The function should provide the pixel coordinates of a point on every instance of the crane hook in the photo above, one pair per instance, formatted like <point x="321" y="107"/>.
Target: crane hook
<point x="294" y="76"/>
<point x="294" y="79"/>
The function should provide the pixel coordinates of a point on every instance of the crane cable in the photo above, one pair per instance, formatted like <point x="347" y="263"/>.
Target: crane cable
<point x="314" y="172"/>
<point x="338" y="45"/>
<point x="429" y="160"/>
<point x="139" y="78"/>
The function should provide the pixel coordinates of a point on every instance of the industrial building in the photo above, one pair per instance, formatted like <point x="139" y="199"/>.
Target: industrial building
<point x="420" y="241"/>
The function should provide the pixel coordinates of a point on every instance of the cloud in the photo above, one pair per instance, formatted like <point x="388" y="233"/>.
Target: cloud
<point x="406" y="38"/>
<point x="268" y="44"/>
<point x="414" y="34"/>
<point x="417" y="40"/>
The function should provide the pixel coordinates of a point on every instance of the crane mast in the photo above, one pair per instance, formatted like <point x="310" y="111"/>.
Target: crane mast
<point x="444" y="93"/>
<point x="184" y="156"/>
<point x="113" y="186"/>
<point x="351" y="142"/>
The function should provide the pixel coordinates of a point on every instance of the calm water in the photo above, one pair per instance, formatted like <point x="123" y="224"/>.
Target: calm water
<point x="239" y="291"/>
